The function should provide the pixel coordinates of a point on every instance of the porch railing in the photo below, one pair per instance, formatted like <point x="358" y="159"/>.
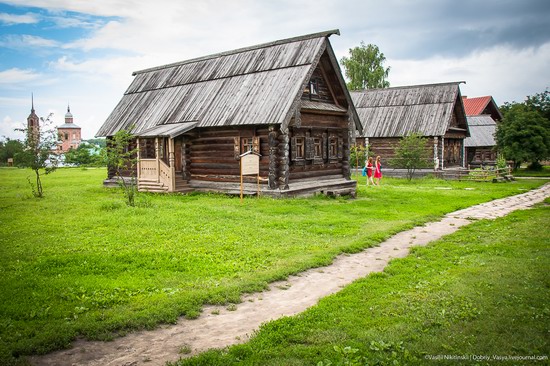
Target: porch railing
<point x="148" y="169"/>
<point x="165" y="175"/>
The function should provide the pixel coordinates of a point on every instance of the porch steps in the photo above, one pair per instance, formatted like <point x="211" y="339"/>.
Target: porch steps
<point x="151" y="186"/>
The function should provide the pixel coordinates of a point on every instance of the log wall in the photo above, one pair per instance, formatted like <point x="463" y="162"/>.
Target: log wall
<point x="332" y="161"/>
<point x="212" y="153"/>
<point x="385" y="148"/>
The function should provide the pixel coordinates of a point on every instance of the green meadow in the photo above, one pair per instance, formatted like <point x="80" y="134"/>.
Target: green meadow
<point x="80" y="263"/>
<point x="477" y="297"/>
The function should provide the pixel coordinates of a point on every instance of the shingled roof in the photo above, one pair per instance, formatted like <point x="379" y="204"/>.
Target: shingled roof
<point x="482" y="131"/>
<point x="249" y="86"/>
<point x="396" y="112"/>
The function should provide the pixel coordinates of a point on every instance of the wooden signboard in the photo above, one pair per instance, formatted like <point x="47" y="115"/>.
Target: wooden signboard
<point x="250" y="165"/>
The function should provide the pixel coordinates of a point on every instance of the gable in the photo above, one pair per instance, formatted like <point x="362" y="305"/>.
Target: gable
<point x="482" y="105"/>
<point x="318" y="89"/>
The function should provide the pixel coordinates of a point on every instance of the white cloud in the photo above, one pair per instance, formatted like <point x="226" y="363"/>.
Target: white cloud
<point x="8" y="126"/>
<point x="13" y="19"/>
<point x="75" y="22"/>
<point x="151" y="33"/>
<point x="14" y="76"/>
<point x="503" y="72"/>
<point x="26" y="41"/>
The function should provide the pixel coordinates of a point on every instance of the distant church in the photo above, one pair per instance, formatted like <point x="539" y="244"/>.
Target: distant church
<point x="33" y="124"/>
<point x="69" y="134"/>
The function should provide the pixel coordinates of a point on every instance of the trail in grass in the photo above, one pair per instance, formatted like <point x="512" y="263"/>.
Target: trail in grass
<point x="219" y="327"/>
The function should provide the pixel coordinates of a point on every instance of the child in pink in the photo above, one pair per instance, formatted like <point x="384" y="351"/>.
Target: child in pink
<point x="378" y="170"/>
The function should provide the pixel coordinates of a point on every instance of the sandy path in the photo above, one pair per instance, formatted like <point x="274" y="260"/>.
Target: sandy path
<point x="288" y="297"/>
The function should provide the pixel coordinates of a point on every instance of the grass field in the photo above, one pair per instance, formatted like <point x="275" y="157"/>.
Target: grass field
<point x="524" y="172"/>
<point x="81" y="263"/>
<point x="478" y="297"/>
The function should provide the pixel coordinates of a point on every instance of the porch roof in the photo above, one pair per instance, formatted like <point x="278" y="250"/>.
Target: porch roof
<point x="169" y="130"/>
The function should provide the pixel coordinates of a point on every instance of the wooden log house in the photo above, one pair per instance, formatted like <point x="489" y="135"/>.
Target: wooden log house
<point x="285" y="100"/>
<point x="435" y="111"/>
<point x="483" y="116"/>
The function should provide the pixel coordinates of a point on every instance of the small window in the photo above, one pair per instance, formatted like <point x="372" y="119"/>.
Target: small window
<point x="313" y="87"/>
<point x="317" y="149"/>
<point x="247" y="144"/>
<point x="66" y="136"/>
<point x="300" y="148"/>
<point x="333" y="148"/>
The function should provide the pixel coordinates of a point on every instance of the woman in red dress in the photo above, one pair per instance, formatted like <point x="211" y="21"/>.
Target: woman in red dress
<point x="378" y="170"/>
<point x="370" y="171"/>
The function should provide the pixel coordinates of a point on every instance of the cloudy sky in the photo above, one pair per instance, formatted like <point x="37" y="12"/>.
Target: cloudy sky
<point x="83" y="52"/>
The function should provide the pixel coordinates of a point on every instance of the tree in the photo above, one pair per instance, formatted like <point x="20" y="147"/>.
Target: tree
<point x="37" y="153"/>
<point x="540" y="102"/>
<point x="411" y="153"/>
<point x="523" y="135"/>
<point x="9" y="148"/>
<point x="121" y="157"/>
<point x="357" y="156"/>
<point x="365" y="69"/>
<point x="85" y="155"/>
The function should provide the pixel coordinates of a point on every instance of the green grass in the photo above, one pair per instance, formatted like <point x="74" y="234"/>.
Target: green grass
<point x="524" y="172"/>
<point x="481" y="292"/>
<point x="79" y="262"/>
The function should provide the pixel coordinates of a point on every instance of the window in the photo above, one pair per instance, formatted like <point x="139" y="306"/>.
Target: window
<point x="243" y="145"/>
<point x="317" y="149"/>
<point x="300" y="148"/>
<point x="333" y="148"/>
<point x="313" y="87"/>
<point x="66" y="136"/>
<point x="247" y="144"/>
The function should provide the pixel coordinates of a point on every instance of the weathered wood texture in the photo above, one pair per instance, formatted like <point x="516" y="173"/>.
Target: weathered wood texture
<point x="212" y="109"/>
<point x="226" y="89"/>
<point x="395" y="112"/>
<point x="212" y="154"/>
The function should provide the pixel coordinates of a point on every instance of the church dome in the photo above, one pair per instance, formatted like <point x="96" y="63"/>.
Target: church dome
<point x="68" y="114"/>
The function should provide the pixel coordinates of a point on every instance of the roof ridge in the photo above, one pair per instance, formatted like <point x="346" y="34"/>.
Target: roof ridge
<point x="410" y="86"/>
<point x="470" y="98"/>
<point x="241" y="50"/>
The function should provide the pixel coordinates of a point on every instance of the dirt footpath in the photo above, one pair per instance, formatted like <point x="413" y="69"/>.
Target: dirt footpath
<point x="218" y="327"/>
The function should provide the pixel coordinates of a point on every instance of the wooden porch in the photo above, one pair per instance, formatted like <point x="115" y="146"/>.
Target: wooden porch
<point x="155" y="175"/>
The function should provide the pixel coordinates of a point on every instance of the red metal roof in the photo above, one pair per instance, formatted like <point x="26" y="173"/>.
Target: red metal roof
<point x="475" y="106"/>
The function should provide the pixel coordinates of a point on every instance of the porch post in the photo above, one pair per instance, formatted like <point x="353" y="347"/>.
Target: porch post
<point x="171" y="159"/>
<point x="138" y="159"/>
<point x="463" y="150"/>
<point x="442" y="152"/>
<point x="436" y="159"/>
<point x="157" y="156"/>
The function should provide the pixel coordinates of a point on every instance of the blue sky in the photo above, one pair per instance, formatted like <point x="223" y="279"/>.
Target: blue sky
<point x="83" y="52"/>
